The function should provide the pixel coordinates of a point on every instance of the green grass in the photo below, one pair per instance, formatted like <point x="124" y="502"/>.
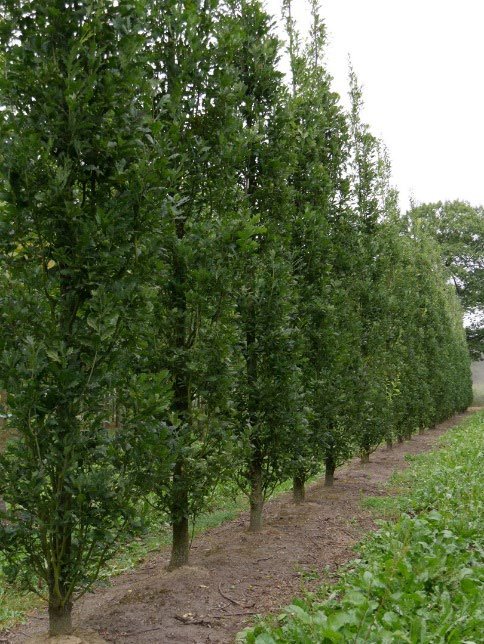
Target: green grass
<point x="420" y="578"/>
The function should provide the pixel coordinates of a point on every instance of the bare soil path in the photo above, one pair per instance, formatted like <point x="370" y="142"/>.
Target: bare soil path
<point x="233" y="574"/>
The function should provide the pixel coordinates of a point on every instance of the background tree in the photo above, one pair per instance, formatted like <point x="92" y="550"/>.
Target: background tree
<point x="458" y="228"/>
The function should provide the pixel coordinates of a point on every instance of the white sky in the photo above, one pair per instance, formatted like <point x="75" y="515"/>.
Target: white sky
<point x="421" y="64"/>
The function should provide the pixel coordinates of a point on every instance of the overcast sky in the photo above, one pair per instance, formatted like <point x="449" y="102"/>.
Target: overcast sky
<point x="421" y="64"/>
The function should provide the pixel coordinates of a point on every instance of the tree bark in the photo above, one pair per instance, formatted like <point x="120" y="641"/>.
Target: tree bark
<point x="181" y="403"/>
<point x="389" y="443"/>
<point x="256" y="496"/>
<point x="400" y="439"/>
<point x="329" y="471"/>
<point x="365" y="457"/>
<point x="180" y="546"/>
<point x="298" y="488"/>
<point x="62" y="565"/>
<point x="256" y="475"/>
<point x="60" y="618"/>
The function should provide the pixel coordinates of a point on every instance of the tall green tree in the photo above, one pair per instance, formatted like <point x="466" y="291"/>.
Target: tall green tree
<point x="370" y="296"/>
<point x="267" y="391"/>
<point x="72" y="229"/>
<point x="438" y="328"/>
<point x="194" y="192"/>
<point x="321" y="242"/>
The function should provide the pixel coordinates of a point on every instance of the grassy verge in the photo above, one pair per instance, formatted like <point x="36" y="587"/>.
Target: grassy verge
<point x="419" y="578"/>
<point x="226" y="504"/>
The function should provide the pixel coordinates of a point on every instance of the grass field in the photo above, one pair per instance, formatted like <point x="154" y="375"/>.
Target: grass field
<point x="420" y="578"/>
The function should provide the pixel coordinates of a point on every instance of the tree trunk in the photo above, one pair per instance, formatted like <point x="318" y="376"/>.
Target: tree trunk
<point x="256" y="497"/>
<point x="421" y="430"/>
<point x="329" y="471"/>
<point x="389" y="443"/>
<point x="365" y="457"/>
<point x="60" y="618"/>
<point x="180" y="546"/>
<point x="298" y="488"/>
<point x="181" y="403"/>
<point x="400" y="439"/>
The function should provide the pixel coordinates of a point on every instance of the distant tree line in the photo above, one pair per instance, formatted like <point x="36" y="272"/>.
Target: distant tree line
<point x="458" y="228"/>
<point x="205" y="277"/>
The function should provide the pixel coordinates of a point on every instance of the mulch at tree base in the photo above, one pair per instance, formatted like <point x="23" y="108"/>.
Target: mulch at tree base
<point x="234" y="575"/>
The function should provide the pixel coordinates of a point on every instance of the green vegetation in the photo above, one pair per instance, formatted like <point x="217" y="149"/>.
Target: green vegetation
<point x="458" y="228"/>
<point x="225" y="504"/>
<point x="72" y="168"/>
<point x="206" y="279"/>
<point x="419" y="579"/>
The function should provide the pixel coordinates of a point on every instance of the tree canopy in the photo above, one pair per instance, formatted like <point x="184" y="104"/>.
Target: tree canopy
<point x="458" y="228"/>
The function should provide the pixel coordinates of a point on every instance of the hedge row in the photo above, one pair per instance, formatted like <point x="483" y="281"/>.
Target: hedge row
<point x="205" y="275"/>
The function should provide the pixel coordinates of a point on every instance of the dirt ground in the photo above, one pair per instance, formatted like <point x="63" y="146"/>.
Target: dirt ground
<point x="233" y="574"/>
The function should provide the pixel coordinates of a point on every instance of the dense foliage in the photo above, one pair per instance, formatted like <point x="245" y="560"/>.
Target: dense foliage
<point x="417" y="580"/>
<point x="458" y="228"/>
<point x="73" y="176"/>
<point x="205" y="276"/>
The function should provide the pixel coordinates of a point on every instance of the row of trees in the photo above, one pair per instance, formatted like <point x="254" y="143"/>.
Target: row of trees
<point x="215" y="255"/>
<point x="458" y="229"/>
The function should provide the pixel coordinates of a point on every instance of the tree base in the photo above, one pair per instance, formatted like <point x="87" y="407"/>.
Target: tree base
<point x="256" y="498"/>
<point x="255" y="521"/>
<point x="328" y="480"/>
<point x="60" y="620"/>
<point x="77" y="637"/>
<point x="330" y="468"/>
<point x="298" y="490"/>
<point x="180" y="545"/>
